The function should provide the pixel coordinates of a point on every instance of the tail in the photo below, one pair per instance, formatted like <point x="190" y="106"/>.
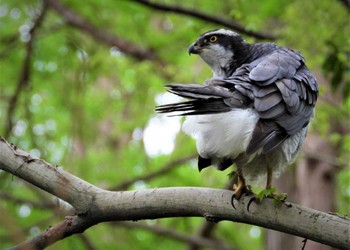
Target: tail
<point x="205" y="99"/>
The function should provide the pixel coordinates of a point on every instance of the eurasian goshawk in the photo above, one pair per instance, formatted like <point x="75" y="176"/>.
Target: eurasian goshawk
<point x="253" y="112"/>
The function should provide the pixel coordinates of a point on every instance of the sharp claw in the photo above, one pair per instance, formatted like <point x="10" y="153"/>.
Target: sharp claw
<point x="232" y="201"/>
<point x="250" y="202"/>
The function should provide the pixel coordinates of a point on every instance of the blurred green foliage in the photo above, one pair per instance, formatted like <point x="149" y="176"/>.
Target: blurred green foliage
<point x="87" y="105"/>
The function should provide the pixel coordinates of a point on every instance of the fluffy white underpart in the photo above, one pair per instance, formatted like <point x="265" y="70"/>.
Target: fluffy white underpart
<point x="227" y="135"/>
<point x="224" y="135"/>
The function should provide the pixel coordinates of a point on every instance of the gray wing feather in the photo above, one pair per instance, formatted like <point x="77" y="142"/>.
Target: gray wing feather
<point x="284" y="93"/>
<point x="282" y="63"/>
<point x="267" y="102"/>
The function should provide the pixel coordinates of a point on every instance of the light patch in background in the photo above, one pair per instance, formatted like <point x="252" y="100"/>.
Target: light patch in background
<point x="24" y="211"/>
<point x="140" y="185"/>
<point x="255" y="232"/>
<point x="20" y="128"/>
<point x="35" y="152"/>
<point x="33" y="231"/>
<point x="160" y="133"/>
<point x="114" y="51"/>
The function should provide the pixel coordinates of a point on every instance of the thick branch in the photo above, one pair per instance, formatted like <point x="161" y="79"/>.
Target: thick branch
<point x="205" y="17"/>
<point x="84" y="25"/>
<point x="94" y="205"/>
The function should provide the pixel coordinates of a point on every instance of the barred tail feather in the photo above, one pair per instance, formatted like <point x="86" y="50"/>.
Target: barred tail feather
<point x="206" y="99"/>
<point x="195" y="107"/>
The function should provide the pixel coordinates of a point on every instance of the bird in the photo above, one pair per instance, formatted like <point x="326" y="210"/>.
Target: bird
<point x="254" y="112"/>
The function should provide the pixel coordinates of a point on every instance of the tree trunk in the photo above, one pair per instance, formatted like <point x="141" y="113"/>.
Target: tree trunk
<point x="311" y="185"/>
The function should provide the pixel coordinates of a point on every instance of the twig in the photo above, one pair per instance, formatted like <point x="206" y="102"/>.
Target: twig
<point x="14" y="230"/>
<point x="325" y="158"/>
<point x="337" y="107"/>
<point x="11" y="41"/>
<point x="89" y="245"/>
<point x="304" y="244"/>
<point x="23" y="80"/>
<point x="345" y="3"/>
<point x="77" y="21"/>
<point x="9" y="197"/>
<point x="205" y="17"/>
<point x="193" y="240"/>
<point x="163" y="170"/>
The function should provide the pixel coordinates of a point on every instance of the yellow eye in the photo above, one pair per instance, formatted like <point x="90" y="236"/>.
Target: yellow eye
<point x="213" y="39"/>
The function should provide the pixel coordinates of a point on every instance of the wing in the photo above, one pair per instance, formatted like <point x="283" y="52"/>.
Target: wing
<point x="284" y="94"/>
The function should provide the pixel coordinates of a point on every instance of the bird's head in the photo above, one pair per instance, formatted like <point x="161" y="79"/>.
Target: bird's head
<point x="220" y="49"/>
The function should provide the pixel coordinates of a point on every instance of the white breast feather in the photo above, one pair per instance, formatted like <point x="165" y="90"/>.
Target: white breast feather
<point x="222" y="135"/>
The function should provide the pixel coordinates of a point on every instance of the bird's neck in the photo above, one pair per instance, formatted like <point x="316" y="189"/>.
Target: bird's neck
<point x="240" y="56"/>
<point x="259" y="49"/>
<point x="243" y="54"/>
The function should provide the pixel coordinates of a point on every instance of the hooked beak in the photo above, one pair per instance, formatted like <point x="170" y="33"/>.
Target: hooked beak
<point x="193" y="49"/>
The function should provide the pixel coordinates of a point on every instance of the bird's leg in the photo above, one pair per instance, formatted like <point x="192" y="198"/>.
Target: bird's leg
<point x="269" y="190"/>
<point x="269" y="177"/>
<point x="239" y="186"/>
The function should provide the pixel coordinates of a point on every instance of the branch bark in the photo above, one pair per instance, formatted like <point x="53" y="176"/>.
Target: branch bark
<point x="94" y="205"/>
<point x="205" y="17"/>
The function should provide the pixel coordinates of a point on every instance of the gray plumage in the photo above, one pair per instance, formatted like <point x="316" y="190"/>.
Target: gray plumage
<point x="269" y="82"/>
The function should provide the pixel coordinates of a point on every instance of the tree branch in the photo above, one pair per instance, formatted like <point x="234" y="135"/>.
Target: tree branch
<point x="94" y="205"/>
<point x="98" y="34"/>
<point x="205" y="17"/>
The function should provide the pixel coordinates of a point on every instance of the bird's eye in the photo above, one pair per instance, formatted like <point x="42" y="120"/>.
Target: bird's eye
<point x="213" y="39"/>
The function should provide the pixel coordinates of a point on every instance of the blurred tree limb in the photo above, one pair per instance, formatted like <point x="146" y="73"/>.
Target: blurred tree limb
<point x="230" y="23"/>
<point x="163" y="170"/>
<point x="195" y="240"/>
<point x="94" y="205"/>
<point x="74" y="19"/>
<point x="346" y="4"/>
<point x="24" y="77"/>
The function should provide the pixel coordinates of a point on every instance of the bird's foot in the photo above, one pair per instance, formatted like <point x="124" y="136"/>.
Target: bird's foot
<point x="239" y="189"/>
<point x="239" y="186"/>
<point x="270" y="193"/>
